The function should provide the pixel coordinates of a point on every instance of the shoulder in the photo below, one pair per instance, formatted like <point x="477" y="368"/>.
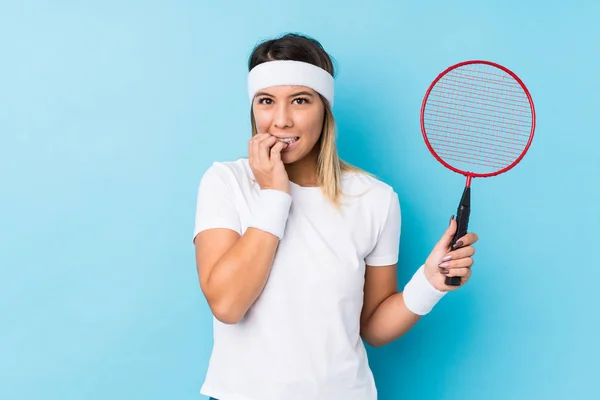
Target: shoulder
<point x="228" y="172"/>
<point x="368" y="186"/>
<point x="374" y="202"/>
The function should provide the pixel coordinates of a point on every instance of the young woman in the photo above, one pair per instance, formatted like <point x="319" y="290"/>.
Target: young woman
<point x="296" y="250"/>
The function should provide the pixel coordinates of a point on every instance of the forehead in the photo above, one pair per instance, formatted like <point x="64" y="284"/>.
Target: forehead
<point x="287" y="90"/>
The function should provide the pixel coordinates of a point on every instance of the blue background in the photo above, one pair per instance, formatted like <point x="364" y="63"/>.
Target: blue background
<point x="110" y="113"/>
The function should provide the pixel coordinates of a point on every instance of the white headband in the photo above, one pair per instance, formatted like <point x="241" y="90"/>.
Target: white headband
<point x="288" y="72"/>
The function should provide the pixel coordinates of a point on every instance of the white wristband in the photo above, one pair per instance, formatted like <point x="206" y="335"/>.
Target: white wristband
<point x="271" y="211"/>
<point x="420" y="296"/>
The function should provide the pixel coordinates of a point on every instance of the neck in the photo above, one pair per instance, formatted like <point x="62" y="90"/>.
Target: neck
<point x="303" y="172"/>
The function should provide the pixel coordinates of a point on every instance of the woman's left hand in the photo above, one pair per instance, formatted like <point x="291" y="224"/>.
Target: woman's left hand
<point x="443" y="261"/>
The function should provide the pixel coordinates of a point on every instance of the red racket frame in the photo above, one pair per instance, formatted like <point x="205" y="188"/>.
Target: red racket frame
<point x="468" y="174"/>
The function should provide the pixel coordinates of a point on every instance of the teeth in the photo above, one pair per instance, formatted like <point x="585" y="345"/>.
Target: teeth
<point x="288" y="140"/>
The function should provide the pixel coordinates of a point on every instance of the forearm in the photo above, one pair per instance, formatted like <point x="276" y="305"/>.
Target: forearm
<point x="391" y="320"/>
<point x="399" y="312"/>
<point x="238" y="278"/>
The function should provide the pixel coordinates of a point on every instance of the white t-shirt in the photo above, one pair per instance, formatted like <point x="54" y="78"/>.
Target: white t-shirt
<point x="301" y="339"/>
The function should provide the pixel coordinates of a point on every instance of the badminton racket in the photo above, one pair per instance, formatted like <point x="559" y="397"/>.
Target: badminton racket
<point x="478" y="120"/>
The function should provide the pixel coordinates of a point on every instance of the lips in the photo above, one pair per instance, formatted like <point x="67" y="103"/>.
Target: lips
<point x="289" y="140"/>
<point x="292" y="143"/>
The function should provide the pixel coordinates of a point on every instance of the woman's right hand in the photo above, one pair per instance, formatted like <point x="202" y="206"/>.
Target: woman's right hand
<point x="264" y="155"/>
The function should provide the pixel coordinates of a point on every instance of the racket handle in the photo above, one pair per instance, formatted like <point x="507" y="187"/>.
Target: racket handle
<point x="462" y="221"/>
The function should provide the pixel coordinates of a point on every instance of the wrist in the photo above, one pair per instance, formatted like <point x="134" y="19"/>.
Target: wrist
<point x="270" y="211"/>
<point x="428" y="274"/>
<point x="280" y="186"/>
<point x="420" y="296"/>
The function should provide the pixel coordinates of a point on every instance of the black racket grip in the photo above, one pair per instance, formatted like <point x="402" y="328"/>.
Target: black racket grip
<point x="462" y="220"/>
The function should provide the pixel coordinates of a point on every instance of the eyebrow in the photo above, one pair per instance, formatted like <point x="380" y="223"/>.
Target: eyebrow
<point x="305" y="93"/>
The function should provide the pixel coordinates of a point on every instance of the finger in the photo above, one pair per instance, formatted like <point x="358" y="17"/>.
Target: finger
<point x="252" y="151"/>
<point x="457" y="264"/>
<point x="459" y="253"/>
<point x="264" y="148"/>
<point x="276" y="151"/>
<point x="461" y="272"/>
<point x="446" y="239"/>
<point x="256" y="141"/>
<point x="253" y="148"/>
<point x="467" y="240"/>
<point x="257" y="137"/>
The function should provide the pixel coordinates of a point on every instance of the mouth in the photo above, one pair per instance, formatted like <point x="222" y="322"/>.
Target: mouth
<point x="289" y="140"/>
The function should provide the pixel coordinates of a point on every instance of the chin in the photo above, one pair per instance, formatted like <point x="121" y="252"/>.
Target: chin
<point x="298" y="154"/>
<point x="288" y="158"/>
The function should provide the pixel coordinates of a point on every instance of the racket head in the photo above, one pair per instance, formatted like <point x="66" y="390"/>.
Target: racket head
<point x="478" y="118"/>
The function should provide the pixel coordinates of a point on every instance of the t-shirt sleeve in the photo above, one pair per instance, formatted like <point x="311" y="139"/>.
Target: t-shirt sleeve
<point x="215" y="205"/>
<point x="387" y="246"/>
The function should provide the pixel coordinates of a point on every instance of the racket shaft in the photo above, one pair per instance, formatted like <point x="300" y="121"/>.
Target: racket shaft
<point x="462" y="220"/>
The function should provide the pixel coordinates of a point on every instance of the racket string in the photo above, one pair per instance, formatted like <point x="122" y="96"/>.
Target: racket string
<point x="475" y="119"/>
<point x="488" y="141"/>
<point x="505" y="155"/>
<point x="512" y="112"/>
<point x="478" y="116"/>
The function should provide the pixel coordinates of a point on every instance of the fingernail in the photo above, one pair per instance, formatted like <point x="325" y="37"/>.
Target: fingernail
<point x="447" y="258"/>
<point x="451" y="218"/>
<point x="458" y="244"/>
<point x="445" y="271"/>
<point x="444" y="265"/>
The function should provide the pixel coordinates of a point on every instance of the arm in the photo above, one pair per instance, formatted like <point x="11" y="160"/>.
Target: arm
<point x="384" y="317"/>
<point x="388" y="314"/>
<point x="233" y="266"/>
<point x="233" y="269"/>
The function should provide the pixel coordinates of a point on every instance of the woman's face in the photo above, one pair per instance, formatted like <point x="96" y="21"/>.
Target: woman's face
<point x="290" y="111"/>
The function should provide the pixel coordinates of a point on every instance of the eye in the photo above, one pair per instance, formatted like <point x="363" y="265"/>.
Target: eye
<point x="301" y="100"/>
<point x="265" y="100"/>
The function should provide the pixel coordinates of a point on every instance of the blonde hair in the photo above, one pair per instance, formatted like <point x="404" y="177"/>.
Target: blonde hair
<point x="330" y="166"/>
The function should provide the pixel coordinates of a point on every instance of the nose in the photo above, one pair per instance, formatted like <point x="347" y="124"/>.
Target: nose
<point x="282" y="118"/>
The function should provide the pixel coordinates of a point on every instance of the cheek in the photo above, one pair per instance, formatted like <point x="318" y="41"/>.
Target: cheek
<point x="313" y="125"/>
<point x="262" y="120"/>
